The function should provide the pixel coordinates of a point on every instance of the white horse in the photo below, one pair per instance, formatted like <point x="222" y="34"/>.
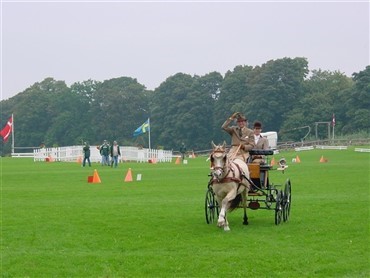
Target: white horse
<point x="229" y="183"/>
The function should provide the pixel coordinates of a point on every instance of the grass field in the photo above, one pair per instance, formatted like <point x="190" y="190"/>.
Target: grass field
<point x="55" y="224"/>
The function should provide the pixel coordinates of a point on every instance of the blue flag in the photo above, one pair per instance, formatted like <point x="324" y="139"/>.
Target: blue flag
<point x="142" y="129"/>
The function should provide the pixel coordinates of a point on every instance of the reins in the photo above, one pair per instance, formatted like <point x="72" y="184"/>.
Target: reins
<point x="235" y="153"/>
<point x="227" y="179"/>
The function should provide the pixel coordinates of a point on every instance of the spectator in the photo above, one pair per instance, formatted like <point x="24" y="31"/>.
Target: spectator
<point x="104" y="151"/>
<point x="183" y="151"/>
<point x="86" y="152"/>
<point x="114" y="153"/>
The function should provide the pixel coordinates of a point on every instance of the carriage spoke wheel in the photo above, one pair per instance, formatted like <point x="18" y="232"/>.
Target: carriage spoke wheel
<point x="279" y="207"/>
<point x="211" y="206"/>
<point x="287" y="200"/>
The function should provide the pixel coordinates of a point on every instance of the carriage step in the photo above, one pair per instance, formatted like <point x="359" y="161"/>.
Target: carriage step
<point x="255" y="193"/>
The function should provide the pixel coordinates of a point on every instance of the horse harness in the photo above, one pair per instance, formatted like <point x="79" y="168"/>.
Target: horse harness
<point x="227" y="179"/>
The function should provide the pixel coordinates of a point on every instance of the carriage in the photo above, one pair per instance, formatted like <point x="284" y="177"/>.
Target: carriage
<point x="263" y="194"/>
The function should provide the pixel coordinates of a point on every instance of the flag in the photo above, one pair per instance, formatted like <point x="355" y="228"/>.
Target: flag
<point x="142" y="129"/>
<point x="333" y="121"/>
<point x="7" y="130"/>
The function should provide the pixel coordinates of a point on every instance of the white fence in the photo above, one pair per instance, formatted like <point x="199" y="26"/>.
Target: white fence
<point x="362" y="150"/>
<point x="331" y="147"/>
<point x="23" y="155"/>
<point x="74" y="153"/>
<point x="298" y="149"/>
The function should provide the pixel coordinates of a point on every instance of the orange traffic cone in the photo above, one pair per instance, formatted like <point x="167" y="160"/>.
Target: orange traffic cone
<point x="49" y="159"/>
<point x="323" y="160"/>
<point x="94" y="178"/>
<point x="128" y="177"/>
<point x="272" y="163"/>
<point x="178" y="161"/>
<point x="297" y="160"/>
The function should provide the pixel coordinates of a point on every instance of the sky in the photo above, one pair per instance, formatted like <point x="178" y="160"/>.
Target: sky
<point x="75" y="41"/>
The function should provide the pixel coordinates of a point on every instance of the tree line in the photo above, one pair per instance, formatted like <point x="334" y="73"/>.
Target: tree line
<point x="281" y="93"/>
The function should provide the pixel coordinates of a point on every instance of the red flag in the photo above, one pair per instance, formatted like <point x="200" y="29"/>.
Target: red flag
<point x="333" y="121"/>
<point x="7" y="130"/>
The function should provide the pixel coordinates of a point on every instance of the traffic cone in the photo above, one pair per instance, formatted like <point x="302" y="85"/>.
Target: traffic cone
<point x="94" y="178"/>
<point x="49" y="159"/>
<point x="297" y="160"/>
<point x="178" y="161"/>
<point x="128" y="177"/>
<point x="272" y="163"/>
<point x="323" y="160"/>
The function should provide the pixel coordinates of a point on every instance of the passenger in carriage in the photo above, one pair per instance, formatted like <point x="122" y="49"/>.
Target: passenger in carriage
<point x="242" y="138"/>
<point x="261" y="143"/>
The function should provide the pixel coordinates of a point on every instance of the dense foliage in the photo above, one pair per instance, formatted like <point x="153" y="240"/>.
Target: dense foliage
<point x="281" y="93"/>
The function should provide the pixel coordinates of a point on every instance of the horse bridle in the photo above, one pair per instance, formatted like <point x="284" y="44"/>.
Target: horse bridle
<point x="225" y="179"/>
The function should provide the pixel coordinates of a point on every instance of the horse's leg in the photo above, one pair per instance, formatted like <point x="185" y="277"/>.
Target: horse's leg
<point x="222" y="220"/>
<point x="244" y="201"/>
<point x="226" y="226"/>
<point x="222" y="214"/>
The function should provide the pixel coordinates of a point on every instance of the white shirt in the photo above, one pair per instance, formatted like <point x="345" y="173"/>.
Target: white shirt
<point x="256" y="138"/>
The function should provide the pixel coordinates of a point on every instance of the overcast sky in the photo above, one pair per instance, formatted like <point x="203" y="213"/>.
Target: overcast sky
<point x="151" y="41"/>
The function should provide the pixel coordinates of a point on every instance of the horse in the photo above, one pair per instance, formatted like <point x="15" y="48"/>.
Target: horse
<point x="229" y="181"/>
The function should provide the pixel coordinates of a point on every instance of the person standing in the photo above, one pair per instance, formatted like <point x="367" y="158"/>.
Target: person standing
<point x="114" y="153"/>
<point x="183" y="151"/>
<point x="104" y="151"/>
<point x="242" y="138"/>
<point x="86" y="152"/>
<point x="261" y="143"/>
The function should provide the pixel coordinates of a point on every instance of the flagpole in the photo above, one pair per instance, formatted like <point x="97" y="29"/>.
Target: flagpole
<point x="12" y="133"/>
<point x="149" y="131"/>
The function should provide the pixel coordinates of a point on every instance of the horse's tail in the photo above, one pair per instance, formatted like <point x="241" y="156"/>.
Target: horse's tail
<point x="235" y="202"/>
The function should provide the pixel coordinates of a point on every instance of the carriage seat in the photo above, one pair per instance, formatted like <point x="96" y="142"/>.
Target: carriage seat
<point x="261" y="152"/>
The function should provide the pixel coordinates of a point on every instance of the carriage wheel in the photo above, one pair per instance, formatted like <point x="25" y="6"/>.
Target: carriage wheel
<point x="211" y="206"/>
<point x="287" y="200"/>
<point x="279" y="207"/>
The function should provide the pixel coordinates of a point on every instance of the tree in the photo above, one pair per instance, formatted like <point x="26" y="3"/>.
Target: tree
<point x="35" y="112"/>
<point x="276" y="89"/>
<point x="117" y="108"/>
<point x="170" y="111"/>
<point x="325" y="93"/>
<point x="358" y="103"/>
<point x="235" y="88"/>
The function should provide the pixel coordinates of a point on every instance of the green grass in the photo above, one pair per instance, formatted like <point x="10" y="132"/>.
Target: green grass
<point x="55" y="224"/>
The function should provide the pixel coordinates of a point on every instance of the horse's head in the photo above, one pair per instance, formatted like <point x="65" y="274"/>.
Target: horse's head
<point x="218" y="161"/>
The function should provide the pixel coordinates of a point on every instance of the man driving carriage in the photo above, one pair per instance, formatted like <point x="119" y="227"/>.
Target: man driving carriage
<point x="242" y="138"/>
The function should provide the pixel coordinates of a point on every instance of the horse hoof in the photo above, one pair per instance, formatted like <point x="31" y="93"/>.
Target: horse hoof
<point x="245" y="223"/>
<point x="226" y="228"/>
<point x="221" y="223"/>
